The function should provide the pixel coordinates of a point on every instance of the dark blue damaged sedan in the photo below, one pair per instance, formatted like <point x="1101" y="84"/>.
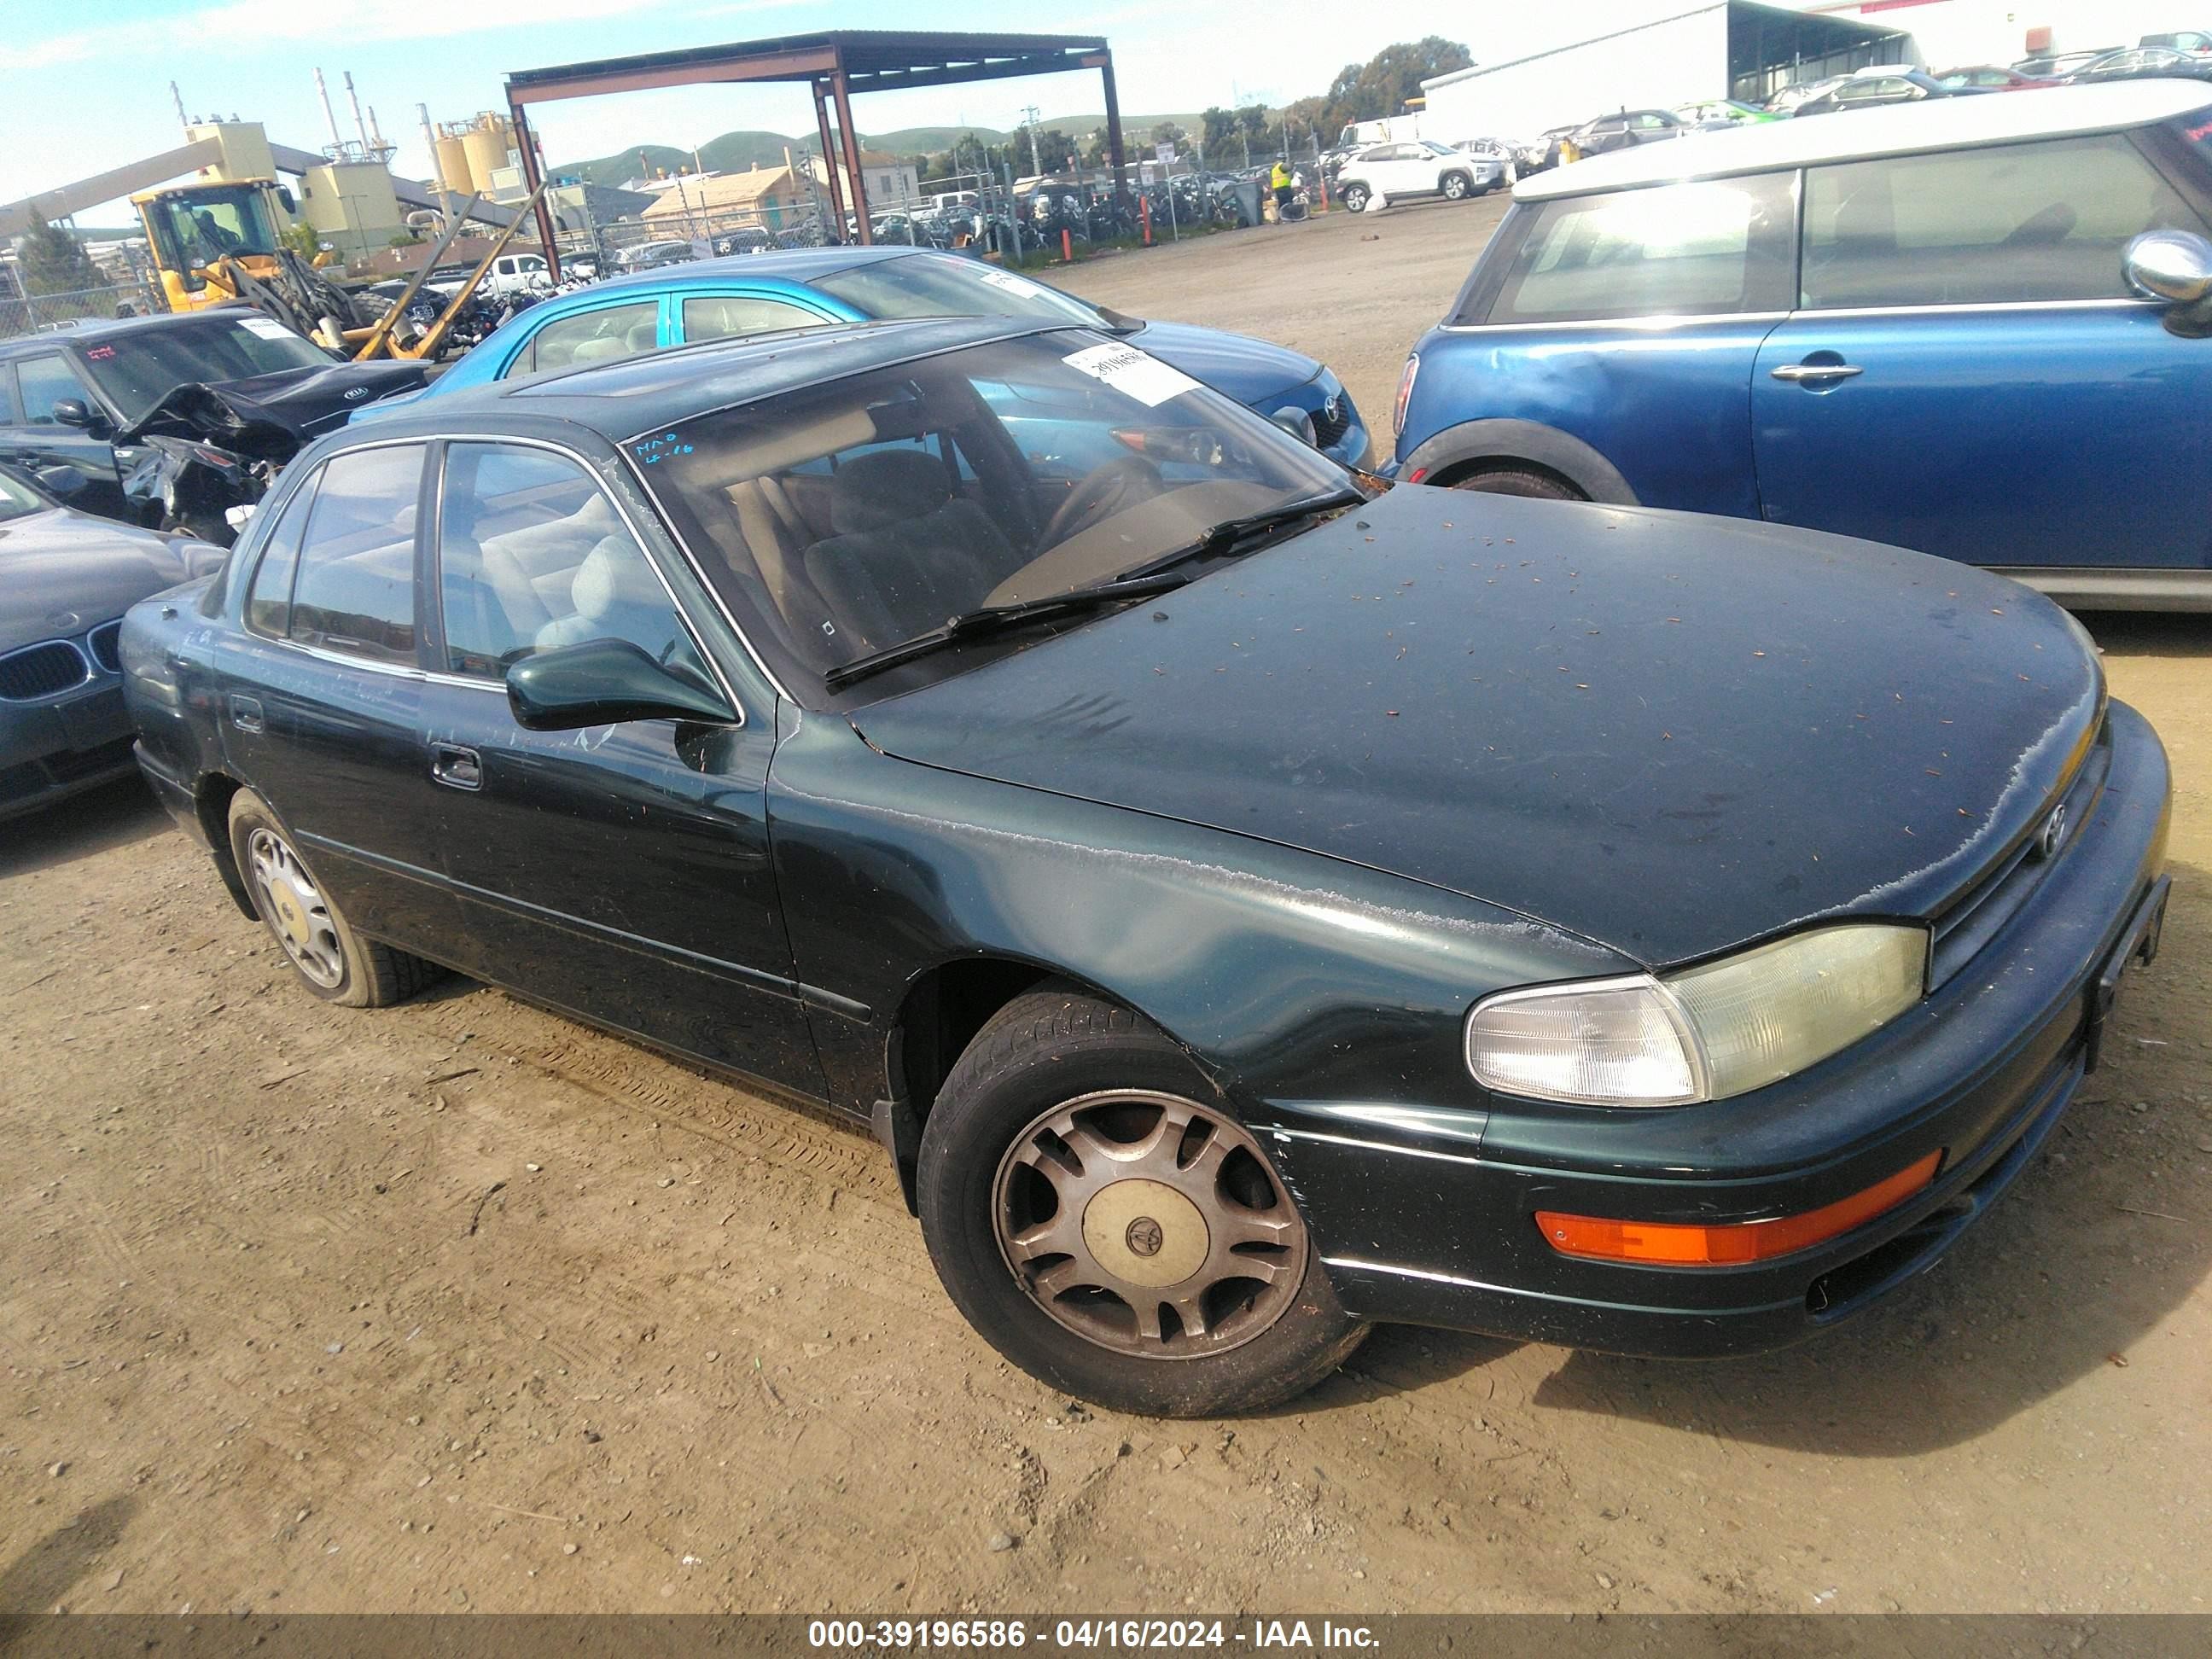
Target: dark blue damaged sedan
<point x="1247" y="904"/>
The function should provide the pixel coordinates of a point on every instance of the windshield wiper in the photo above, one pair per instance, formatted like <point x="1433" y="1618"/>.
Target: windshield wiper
<point x="1219" y="538"/>
<point x="992" y="619"/>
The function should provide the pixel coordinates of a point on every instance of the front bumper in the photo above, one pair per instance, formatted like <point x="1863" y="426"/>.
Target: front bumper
<point x="1421" y="1227"/>
<point x="51" y="751"/>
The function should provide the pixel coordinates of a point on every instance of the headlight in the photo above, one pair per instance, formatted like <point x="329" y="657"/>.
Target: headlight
<point x="1707" y="1033"/>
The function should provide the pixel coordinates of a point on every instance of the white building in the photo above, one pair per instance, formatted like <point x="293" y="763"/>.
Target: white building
<point x="1659" y="54"/>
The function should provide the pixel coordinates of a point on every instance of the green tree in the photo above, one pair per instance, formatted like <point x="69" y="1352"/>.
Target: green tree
<point x="53" y="261"/>
<point x="1167" y="132"/>
<point x="1381" y="86"/>
<point x="1220" y="127"/>
<point x="1056" y="151"/>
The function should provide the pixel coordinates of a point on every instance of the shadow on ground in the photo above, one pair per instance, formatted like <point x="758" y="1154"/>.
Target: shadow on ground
<point x="40" y="1578"/>
<point x="98" y="821"/>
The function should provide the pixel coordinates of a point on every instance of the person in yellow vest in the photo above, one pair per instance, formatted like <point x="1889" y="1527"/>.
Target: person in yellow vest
<point x="1284" y="185"/>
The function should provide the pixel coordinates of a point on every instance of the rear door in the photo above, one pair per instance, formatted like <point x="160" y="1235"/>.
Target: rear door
<point x="1969" y="375"/>
<point x="322" y="694"/>
<point x="615" y="327"/>
<point x="622" y="872"/>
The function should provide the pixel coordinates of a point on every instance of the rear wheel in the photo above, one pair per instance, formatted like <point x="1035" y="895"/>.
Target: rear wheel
<point x="1110" y="1229"/>
<point x="1519" y="481"/>
<point x="332" y="961"/>
<point x="1356" y="198"/>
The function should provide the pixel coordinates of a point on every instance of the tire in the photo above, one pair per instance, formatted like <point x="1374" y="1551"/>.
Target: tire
<point x="1455" y="186"/>
<point x="1520" y="481"/>
<point x="332" y="961"/>
<point x="1356" y="198"/>
<point x="1058" y="1056"/>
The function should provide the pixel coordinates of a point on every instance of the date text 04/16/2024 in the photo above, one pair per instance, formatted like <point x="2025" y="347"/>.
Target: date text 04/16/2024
<point x="1273" y="1635"/>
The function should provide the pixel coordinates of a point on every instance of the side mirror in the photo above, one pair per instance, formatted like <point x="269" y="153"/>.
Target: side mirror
<point x="605" y="682"/>
<point x="2174" y="265"/>
<point x="74" y="411"/>
<point x="60" y="482"/>
<point x="285" y="197"/>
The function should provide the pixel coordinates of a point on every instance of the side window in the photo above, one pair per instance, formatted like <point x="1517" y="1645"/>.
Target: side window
<point x="269" y="600"/>
<point x="594" y="337"/>
<point x="1674" y="249"/>
<point x="355" y="589"/>
<point x="2012" y="222"/>
<point x="8" y="415"/>
<point x="718" y="316"/>
<point x="46" y="381"/>
<point x="532" y="556"/>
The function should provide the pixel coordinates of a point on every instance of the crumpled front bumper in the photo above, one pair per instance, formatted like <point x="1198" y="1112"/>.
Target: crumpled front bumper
<point x="1425" y="1228"/>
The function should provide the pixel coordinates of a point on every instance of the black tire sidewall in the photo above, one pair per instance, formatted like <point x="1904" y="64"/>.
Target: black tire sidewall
<point x="965" y="1136"/>
<point x="248" y="812"/>
<point x="1455" y="187"/>
<point x="1357" y="197"/>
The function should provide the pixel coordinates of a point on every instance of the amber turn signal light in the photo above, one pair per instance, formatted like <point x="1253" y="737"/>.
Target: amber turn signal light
<point x="1676" y="1245"/>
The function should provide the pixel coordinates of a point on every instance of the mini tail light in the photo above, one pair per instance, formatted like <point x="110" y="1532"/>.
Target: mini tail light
<point x="1405" y="394"/>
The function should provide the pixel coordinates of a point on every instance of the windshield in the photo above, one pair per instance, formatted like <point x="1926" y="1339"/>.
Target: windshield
<point x="2195" y="130"/>
<point x="15" y="502"/>
<point x="848" y="518"/>
<point x="939" y="285"/>
<point x="196" y="227"/>
<point x="137" y="369"/>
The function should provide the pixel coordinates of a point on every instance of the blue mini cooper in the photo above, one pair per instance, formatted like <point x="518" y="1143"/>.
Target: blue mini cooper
<point x="1975" y="328"/>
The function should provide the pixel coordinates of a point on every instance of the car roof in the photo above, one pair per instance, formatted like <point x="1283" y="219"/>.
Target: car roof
<point x="1899" y="130"/>
<point x="106" y="328"/>
<point x="792" y="264"/>
<point x="619" y="400"/>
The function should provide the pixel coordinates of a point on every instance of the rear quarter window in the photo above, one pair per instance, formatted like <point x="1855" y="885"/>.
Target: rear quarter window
<point x="2007" y="223"/>
<point x="1703" y="249"/>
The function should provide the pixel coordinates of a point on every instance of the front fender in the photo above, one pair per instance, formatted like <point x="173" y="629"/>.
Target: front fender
<point x="1300" y="984"/>
<point x="1522" y="440"/>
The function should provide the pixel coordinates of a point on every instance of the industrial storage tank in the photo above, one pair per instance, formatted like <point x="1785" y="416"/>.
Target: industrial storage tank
<point x="453" y="165"/>
<point x="487" y="144"/>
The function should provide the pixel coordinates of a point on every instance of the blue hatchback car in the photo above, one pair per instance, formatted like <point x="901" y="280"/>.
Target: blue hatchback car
<point x="804" y="288"/>
<point x="1973" y="327"/>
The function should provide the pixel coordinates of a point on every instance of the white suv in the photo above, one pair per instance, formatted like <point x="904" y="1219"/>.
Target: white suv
<point x="1419" y="167"/>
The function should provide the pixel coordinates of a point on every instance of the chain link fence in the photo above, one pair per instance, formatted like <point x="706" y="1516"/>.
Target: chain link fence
<point x="39" y="314"/>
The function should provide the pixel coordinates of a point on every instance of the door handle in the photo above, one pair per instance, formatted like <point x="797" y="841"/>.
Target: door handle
<point x="245" y="713"/>
<point x="455" y="766"/>
<point x="1816" y="371"/>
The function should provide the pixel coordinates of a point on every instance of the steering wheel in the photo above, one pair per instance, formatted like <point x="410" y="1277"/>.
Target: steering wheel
<point x="1105" y="488"/>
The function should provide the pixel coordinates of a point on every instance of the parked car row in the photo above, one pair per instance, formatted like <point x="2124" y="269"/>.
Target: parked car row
<point x="865" y="672"/>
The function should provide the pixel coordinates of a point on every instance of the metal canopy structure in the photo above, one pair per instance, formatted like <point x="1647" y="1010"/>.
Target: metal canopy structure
<point x="836" y="65"/>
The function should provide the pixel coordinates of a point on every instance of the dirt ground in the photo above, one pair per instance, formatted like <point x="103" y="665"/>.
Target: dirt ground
<point x="461" y="1306"/>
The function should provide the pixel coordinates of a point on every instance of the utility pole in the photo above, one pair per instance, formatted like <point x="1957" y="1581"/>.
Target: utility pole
<point x="178" y="98"/>
<point x="1030" y="120"/>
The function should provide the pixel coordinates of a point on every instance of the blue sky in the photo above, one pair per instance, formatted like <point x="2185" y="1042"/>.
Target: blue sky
<point x="84" y="86"/>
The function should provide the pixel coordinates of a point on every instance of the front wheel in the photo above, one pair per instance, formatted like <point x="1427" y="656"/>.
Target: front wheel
<point x="1111" y="1229"/>
<point x="1455" y="186"/>
<point x="1356" y="198"/>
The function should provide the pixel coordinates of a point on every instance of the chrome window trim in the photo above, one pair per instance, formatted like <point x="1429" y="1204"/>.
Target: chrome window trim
<point x="1954" y="309"/>
<point x="644" y="548"/>
<point x="1654" y="323"/>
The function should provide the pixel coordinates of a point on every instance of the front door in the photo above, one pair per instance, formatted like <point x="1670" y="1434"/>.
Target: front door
<point x="32" y="438"/>
<point x="1968" y="375"/>
<point x="620" y="872"/>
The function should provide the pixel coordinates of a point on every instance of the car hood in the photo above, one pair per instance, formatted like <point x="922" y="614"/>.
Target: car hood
<point x="1669" y="733"/>
<point x="1246" y="369"/>
<point x="62" y="572"/>
<point x="301" y="403"/>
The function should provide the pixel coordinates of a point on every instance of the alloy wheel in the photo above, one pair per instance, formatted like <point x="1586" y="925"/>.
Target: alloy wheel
<point x="295" y="909"/>
<point x="1148" y="1225"/>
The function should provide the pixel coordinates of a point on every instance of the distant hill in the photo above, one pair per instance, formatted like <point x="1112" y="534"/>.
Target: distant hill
<point x="733" y="152"/>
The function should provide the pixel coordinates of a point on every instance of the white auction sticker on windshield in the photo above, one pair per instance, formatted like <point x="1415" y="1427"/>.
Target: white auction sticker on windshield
<point x="268" y="328"/>
<point x="1010" y="283"/>
<point x="1129" y="371"/>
